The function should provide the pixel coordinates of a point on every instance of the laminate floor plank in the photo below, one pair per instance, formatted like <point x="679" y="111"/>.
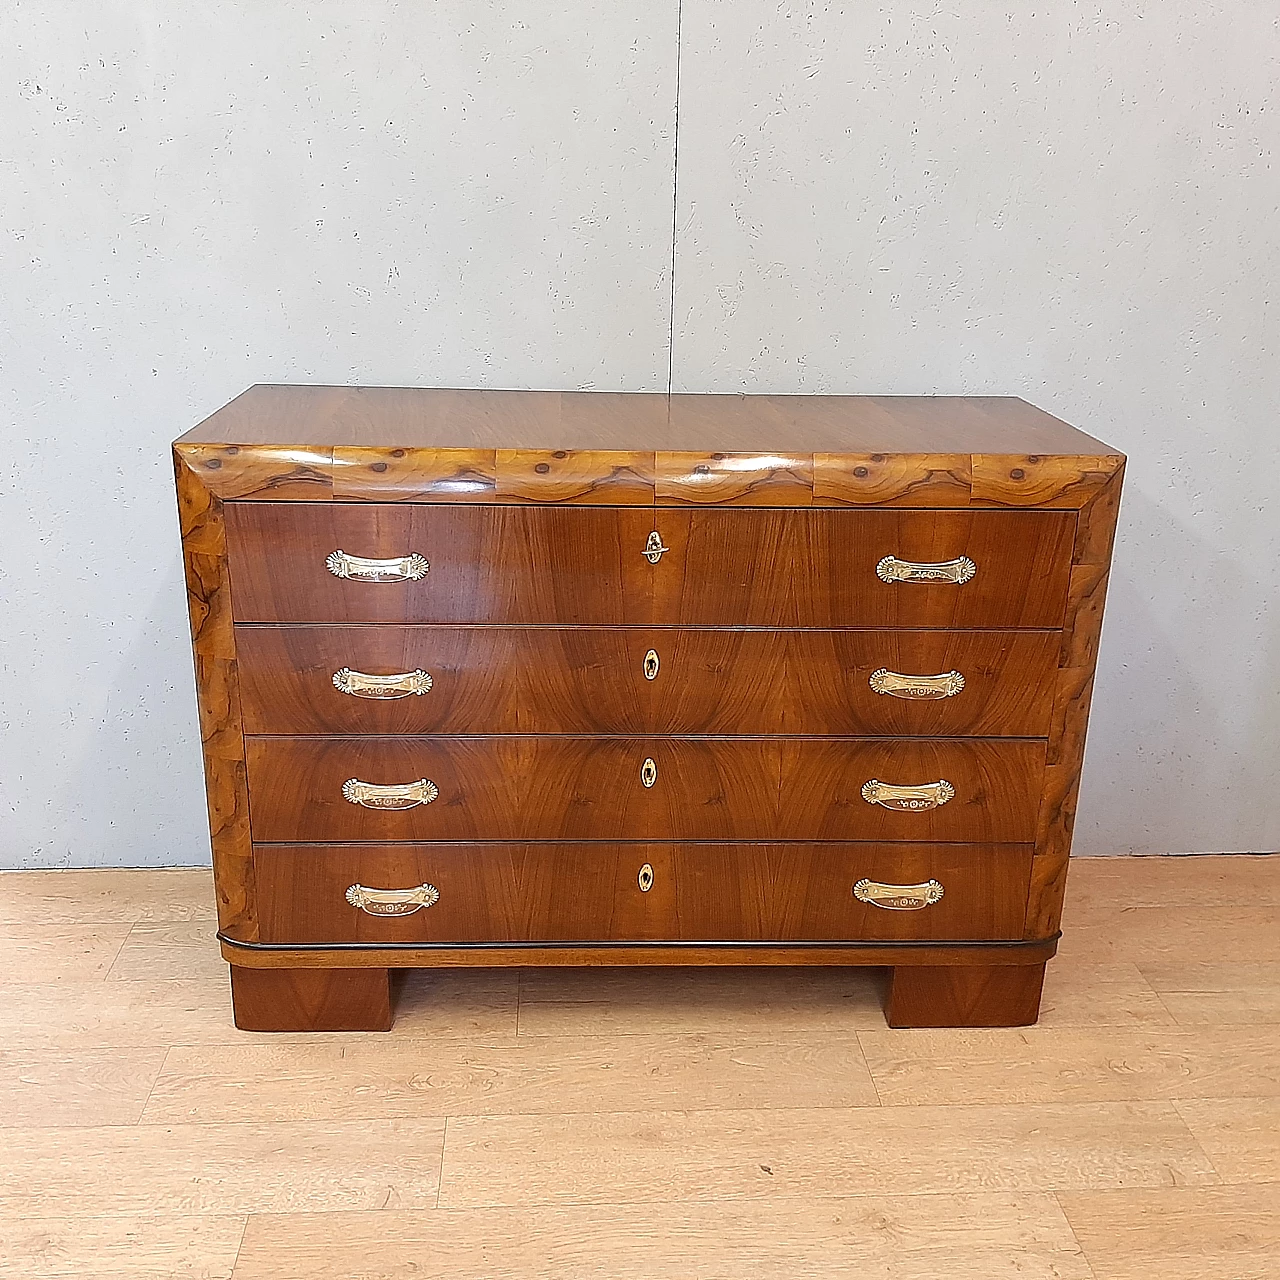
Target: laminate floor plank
<point x="107" y="896"/>
<point x="1077" y="994"/>
<point x="180" y="1246"/>
<point x="59" y="952"/>
<point x="1192" y="880"/>
<point x="183" y="950"/>
<point x="1095" y="1064"/>
<point x="79" y="1087"/>
<point x="997" y="1236"/>
<point x="268" y="1082"/>
<point x="736" y="1155"/>
<point x="1221" y="994"/>
<point x="672" y="1001"/>
<point x="1149" y="935"/>
<point x="221" y="1169"/>
<point x="1240" y="1136"/>
<point x="1187" y="1233"/>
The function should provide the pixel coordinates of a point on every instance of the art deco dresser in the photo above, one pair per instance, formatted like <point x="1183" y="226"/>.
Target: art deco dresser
<point x="495" y="678"/>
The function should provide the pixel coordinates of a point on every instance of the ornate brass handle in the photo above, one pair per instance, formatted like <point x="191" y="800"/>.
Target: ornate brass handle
<point x="399" y="795"/>
<point x="648" y="772"/>
<point x="898" y="897"/>
<point x="392" y="902"/>
<point x="651" y="664"/>
<point x="929" y="795"/>
<point x="398" y="569"/>
<point x="959" y="570"/>
<point x="653" y="548"/>
<point x="946" y="685"/>
<point x="360" y="685"/>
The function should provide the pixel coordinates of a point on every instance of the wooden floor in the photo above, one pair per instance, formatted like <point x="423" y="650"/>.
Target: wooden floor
<point x="645" y="1123"/>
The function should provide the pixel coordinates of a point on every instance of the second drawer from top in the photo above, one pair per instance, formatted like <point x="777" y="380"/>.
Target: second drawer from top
<point x="314" y="679"/>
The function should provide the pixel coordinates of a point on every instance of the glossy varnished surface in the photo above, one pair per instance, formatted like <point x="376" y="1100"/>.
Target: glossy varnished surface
<point x="545" y="788"/>
<point x="585" y="893"/>
<point x="488" y="421"/>
<point x="591" y="680"/>
<point x="586" y="566"/>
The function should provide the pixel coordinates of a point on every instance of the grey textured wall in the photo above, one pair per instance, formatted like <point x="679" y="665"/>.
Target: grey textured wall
<point x="1076" y="204"/>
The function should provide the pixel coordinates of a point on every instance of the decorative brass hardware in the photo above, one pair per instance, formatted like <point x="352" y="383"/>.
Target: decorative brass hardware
<point x="399" y="795"/>
<point x="651" y="664"/>
<point x="653" y="548"/>
<point x="398" y="569"/>
<point x="946" y="685"/>
<point x="645" y="878"/>
<point x="360" y="685"/>
<point x="898" y="897"/>
<point x="392" y="902"/>
<point x="648" y="772"/>
<point x="929" y="795"/>
<point x="959" y="570"/>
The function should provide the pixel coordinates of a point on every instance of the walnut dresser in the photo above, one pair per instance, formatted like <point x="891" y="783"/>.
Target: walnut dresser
<point x="530" y="678"/>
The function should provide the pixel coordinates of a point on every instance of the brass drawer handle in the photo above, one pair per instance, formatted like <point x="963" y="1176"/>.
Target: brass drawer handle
<point x="392" y="902"/>
<point x="645" y="878"/>
<point x="653" y="548"/>
<point x="929" y="795"/>
<point x="651" y="664"/>
<point x="648" y="772"/>
<point x="399" y="795"/>
<point x="946" y="685"/>
<point x="898" y="897"/>
<point x="398" y="569"/>
<point x="360" y="685"/>
<point x="959" y="570"/>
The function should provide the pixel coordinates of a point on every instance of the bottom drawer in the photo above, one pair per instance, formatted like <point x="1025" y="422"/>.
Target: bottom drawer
<point x="593" y="892"/>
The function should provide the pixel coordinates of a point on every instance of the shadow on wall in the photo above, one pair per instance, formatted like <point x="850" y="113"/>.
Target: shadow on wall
<point x="1185" y="727"/>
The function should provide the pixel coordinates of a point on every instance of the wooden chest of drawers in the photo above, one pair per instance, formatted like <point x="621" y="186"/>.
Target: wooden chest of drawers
<point x="538" y="678"/>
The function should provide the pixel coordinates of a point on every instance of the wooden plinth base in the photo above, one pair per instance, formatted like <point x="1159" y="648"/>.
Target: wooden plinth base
<point x="964" y="995"/>
<point x="311" y="999"/>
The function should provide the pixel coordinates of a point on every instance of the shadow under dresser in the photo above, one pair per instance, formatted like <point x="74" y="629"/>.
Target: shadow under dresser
<point x="540" y="678"/>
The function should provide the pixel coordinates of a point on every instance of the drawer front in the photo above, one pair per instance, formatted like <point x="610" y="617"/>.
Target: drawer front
<point x="591" y="892"/>
<point x="481" y="680"/>
<point x="827" y="568"/>
<point x="482" y="563"/>
<point x="308" y="562"/>
<point x="547" y="788"/>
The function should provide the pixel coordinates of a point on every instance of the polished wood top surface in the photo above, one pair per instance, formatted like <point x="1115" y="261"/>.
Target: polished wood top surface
<point x="589" y="420"/>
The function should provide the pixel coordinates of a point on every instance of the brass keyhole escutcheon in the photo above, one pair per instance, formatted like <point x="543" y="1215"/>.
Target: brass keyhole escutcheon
<point x="645" y="878"/>
<point x="651" y="664"/>
<point x="648" y="772"/>
<point x="653" y="548"/>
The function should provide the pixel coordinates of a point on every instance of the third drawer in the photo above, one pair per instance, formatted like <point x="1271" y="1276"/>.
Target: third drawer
<point x="546" y="788"/>
<point x="481" y="680"/>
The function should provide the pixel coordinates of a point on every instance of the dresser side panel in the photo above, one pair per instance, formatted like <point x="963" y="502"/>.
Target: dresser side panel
<point x="204" y="549"/>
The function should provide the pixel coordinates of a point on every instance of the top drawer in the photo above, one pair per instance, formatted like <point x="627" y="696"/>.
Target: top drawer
<point x="319" y="562"/>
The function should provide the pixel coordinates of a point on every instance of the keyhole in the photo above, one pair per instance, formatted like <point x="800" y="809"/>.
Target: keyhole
<point x="648" y="772"/>
<point x="651" y="664"/>
<point x="645" y="878"/>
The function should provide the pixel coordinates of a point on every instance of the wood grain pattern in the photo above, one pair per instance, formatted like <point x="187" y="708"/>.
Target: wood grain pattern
<point x="727" y="1155"/>
<point x="81" y="1087"/>
<point x="973" y="996"/>
<point x="371" y="1077"/>
<point x="818" y="568"/>
<point x="997" y="1236"/>
<point x="1240" y="1138"/>
<point x="204" y="552"/>
<point x="1194" y="1233"/>
<point x="311" y="999"/>
<point x="488" y="564"/>
<point x="576" y="476"/>
<point x="1090" y="569"/>
<point x="727" y="479"/>
<point x="590" y="892"/>
<point x="893" y="479"/>
<point x="387" y="473"/>
<point x="489" y="680"/>
<point x="558" y="788"/>
<point x="262" y="473"/>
